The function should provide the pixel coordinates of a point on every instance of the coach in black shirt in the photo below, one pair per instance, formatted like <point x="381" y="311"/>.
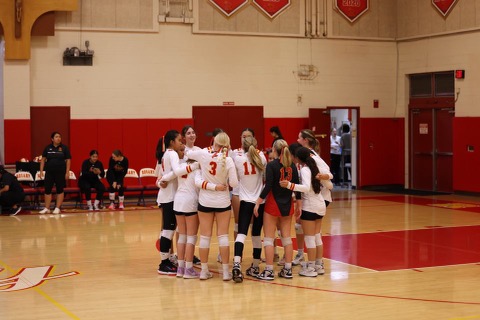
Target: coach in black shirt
<point x="11" y="193"/>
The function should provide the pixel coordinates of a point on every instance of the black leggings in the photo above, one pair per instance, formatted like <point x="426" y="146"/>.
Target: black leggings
<point x="244" y="217"/>
<point x="169" y="223"/>
<point x="86" y="188"/>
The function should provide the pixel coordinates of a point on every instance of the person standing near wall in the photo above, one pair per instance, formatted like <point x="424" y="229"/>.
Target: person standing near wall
<point x="335" y="155"/>
<point x="56" y="163"/>
<point x="346" y="144"/>
<point x="276" y="134"/>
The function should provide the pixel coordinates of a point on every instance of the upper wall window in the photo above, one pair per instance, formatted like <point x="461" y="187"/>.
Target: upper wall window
<point x="429" y="85"/>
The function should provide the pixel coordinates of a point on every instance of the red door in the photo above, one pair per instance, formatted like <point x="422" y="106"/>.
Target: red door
<point x="44" y="121"/>
<point x="231" y="119"/>
<point x="432" y="149"/>
<point x="319" y="122"/>
<point x="444" y="149"/>
<point x="422" y="149"/>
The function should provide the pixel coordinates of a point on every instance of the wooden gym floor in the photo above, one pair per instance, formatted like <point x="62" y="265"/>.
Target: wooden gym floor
<point x="387" y="256"/>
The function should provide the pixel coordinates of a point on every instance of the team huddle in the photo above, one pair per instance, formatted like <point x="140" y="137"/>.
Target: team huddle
<point x="200" y="187"/>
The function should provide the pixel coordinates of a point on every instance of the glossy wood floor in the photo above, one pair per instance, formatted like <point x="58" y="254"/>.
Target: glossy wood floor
<point x="387" y="257"/>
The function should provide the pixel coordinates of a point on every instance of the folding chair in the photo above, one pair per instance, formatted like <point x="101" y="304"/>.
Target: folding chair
<point x="28" y="184"/>
<point x="133" y="184"/>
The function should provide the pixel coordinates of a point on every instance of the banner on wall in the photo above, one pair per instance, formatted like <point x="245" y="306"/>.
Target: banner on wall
<point x="272" y="8"/>
<point x="352" y="9"/>
<point x="444" y="6"/>
<point x="228" y="7"/>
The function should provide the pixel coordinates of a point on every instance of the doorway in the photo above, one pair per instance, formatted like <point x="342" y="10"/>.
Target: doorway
<point x="232" y="120"/>
<point x="44" y="121"/>
<point x="431" y="114"/>
<point x="322" y="121"/>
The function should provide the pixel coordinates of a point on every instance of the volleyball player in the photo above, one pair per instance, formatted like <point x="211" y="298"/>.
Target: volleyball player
<point x="250" y="167"/>
<point x="117" y="169"/>
<point x="171" y="143"/>
<point x="92" y="172"/>
<point x="307" y="139"/>
<point x="189" y="136"/>
<point x="278" y="207"/>
<point x="313" y="208"/>
<point x="216" y="168"/>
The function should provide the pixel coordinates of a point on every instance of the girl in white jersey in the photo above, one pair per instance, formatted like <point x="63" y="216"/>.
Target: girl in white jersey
<point x="170" y="143"/>
<point x="189" y="136"/>
<point x="217" y="168"/>
<point x="313" y="208"/>
<point x="247" y="132"/>
<point x="307" y="139"/>
<point x="185" y="207"/>
<point x="250" y="167"/>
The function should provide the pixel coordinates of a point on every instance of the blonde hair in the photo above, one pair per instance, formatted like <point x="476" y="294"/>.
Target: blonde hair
<point x="281" y="147"/>
<point x="222" y="140"/>
<point x="313" y="142"/>
<point x="249" y="146"/>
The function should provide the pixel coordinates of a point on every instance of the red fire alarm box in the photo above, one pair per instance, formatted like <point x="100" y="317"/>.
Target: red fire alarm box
<point x="459" y="74"/>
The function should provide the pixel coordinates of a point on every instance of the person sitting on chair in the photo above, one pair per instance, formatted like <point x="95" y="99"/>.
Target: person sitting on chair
<point x="11" y="193"/>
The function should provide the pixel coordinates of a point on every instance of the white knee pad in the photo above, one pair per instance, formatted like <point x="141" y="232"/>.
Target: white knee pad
<point x="204" y="242"/>
<point x="318" y="239"/>
<point x="167" y="234"/>
<point x="310" y="242"/>
<point x="240" y="238"/>
<point x="286" y="241"/>
<point x="223" y="240"/>
<point x="235" y="227"/>
<point x="191" y="240"/>
<point x="298" y="228"/>
<point x="182" y="238"/>
<point x="256" y="242"/>
<point x="267" y="242"/>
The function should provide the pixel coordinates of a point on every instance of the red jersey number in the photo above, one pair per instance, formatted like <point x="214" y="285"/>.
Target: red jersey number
<point x="245" y="167"/>
<point x="286" y="174"/>
<point x="213" y="168"/>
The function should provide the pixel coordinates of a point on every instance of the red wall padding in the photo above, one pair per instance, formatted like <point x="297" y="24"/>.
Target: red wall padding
<point x="17" y="140"/>
<point x="466" y="176"/>
<point x="381" y="151"/>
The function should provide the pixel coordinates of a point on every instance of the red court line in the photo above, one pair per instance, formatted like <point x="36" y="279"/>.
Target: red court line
<point x="367" y="294"/>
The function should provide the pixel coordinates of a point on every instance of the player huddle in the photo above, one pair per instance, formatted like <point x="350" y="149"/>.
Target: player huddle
<point x="195" y="193"/>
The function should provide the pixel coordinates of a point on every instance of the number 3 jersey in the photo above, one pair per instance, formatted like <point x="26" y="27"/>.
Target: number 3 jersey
<point x="216" y="169"/>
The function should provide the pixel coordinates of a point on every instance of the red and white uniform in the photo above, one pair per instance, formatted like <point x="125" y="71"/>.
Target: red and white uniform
<point x="216" y="169"/>
<point x="186" y="197"/>
<point x="250" y="178"/>
<point x="311" y="201"/>
<point x="327" y="184"/>
<point x="170" y="162"/>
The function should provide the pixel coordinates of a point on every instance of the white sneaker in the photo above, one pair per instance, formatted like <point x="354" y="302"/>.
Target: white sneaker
<point x="204" y="275"/>
<point x="96" y="208"/>
<point x="320" y="269"/>
<point x="219" y="258"/>
<point x="56" y="211"/>
<point x="298" y="259"/>
<point x="90" y="208"/>
<point x="281" y="262"/>
<point x="44" y="210"/>
<point x="308" y="272"/>
<point x="227" y="276"/>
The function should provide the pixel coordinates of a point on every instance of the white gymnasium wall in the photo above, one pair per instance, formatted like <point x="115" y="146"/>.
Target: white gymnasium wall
<point x="448" y="52"/>
<point x="162" y="75"/>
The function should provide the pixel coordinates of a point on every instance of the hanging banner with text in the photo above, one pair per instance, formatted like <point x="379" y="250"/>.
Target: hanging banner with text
<point x="272" y="8"/>
<point x="444" y="6"/>
<point x="228" y="7"/>
<point x="352" y="9"/>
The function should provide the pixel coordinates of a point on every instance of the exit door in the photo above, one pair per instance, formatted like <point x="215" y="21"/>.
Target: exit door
<point x="432" y="149"/>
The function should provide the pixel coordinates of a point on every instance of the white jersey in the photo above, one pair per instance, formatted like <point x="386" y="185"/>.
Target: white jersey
<point x="170" y="162"/>
<point x="194" y="148"/>
<point x="311" y="201"/>
<point x="324" y="169"/>
<point x="234" y="154"/>
<point x="250" y="178"/>
<point x="186" y="197"/>
<point x="216" y="169"/>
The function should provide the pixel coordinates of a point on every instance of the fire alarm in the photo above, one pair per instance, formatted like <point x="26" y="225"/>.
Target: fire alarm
<point x="459" y="74"/>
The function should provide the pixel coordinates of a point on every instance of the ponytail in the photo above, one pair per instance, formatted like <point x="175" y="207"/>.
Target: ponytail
<point x="281" y="147"/>
<point x="249" y="144"/>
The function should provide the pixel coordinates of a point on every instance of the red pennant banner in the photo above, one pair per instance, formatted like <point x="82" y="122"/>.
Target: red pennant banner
<point x="272" y="8"/>
<point x="444" y="6"/>
<point x="352" y="9"/>
<point x="228" y="7"/>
